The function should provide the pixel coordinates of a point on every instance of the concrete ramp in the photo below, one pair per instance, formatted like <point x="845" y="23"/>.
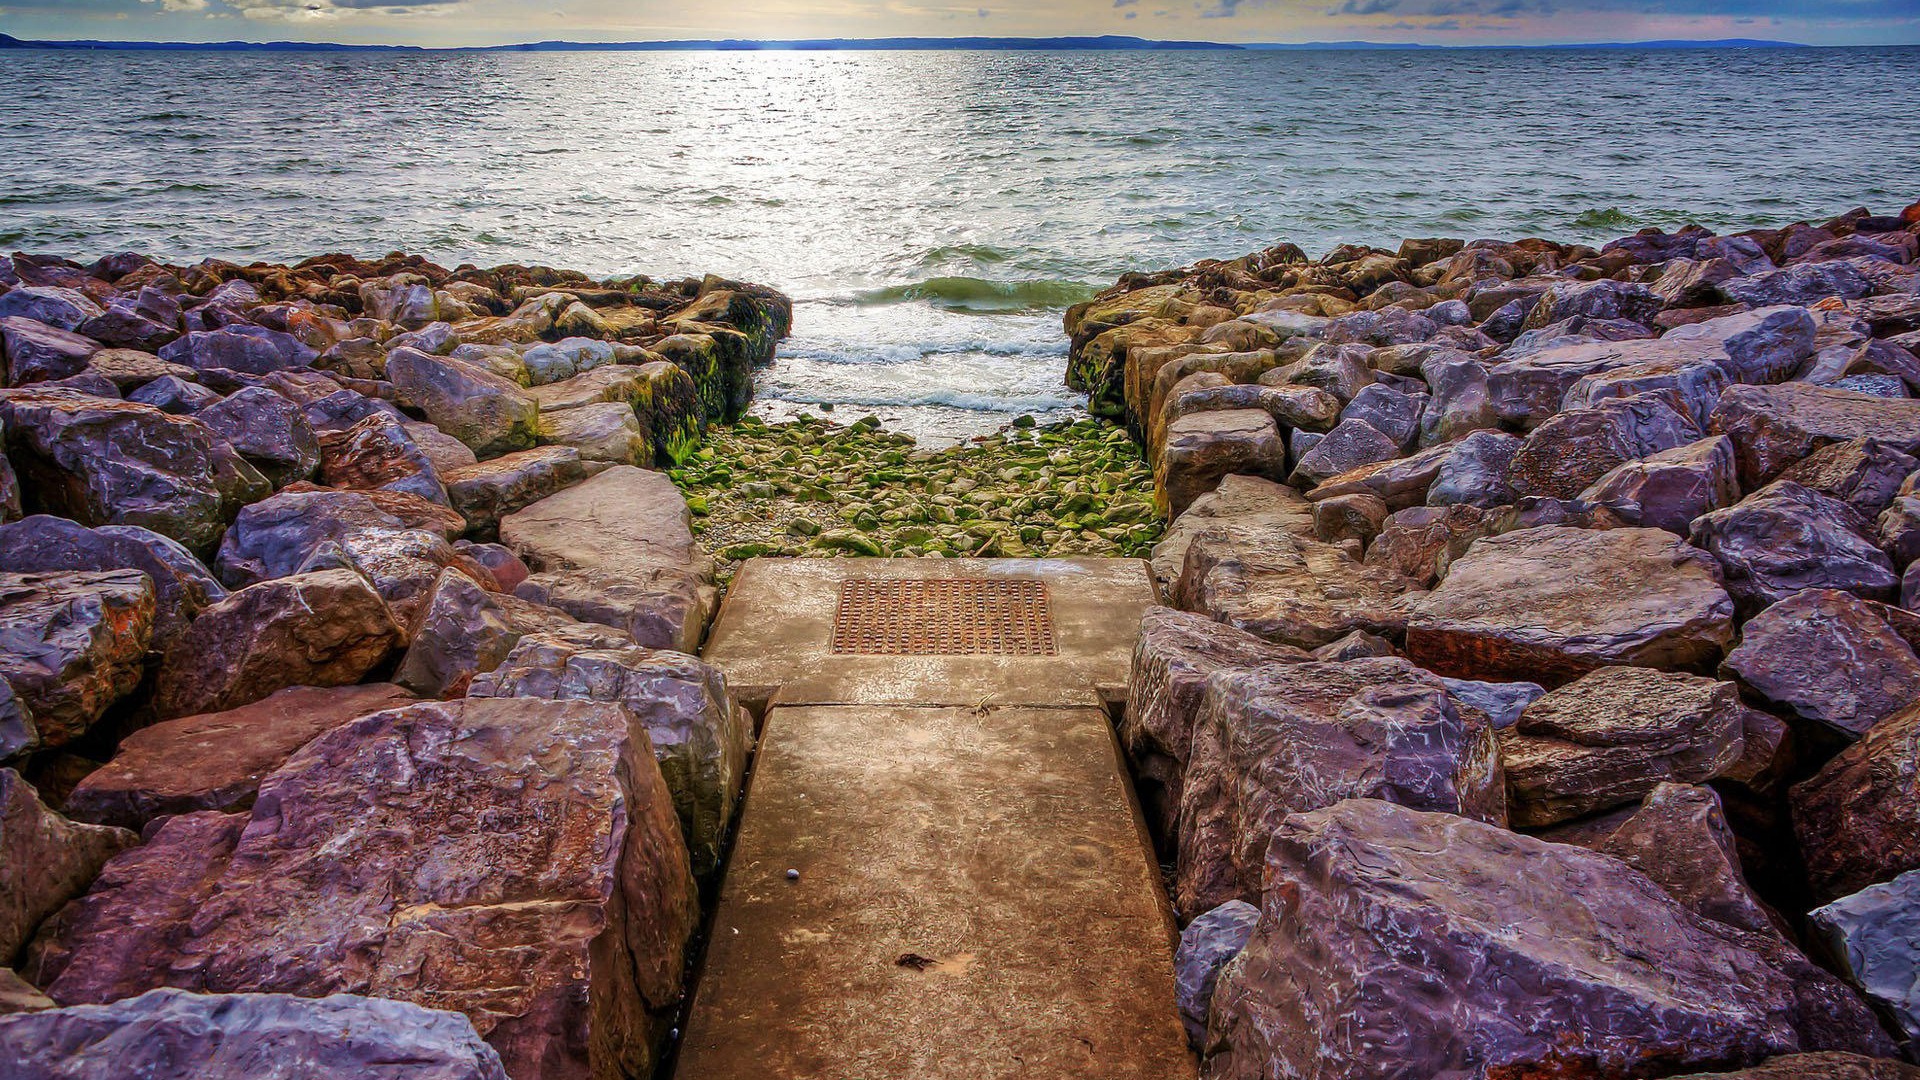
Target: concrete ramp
<point x="975" y="896"/>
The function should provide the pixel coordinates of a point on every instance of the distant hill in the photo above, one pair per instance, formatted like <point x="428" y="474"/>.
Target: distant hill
<point x="1090" y="44"/>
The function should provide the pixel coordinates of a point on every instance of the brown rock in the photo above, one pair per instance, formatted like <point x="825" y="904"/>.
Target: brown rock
<point x="1773" y="427"/>
<point x="1819" y="1067"/>
<point x="105" y="462"/>
<point x="1669" y="489"/>
<point x="1551" y="603"/>
<point x="1240" y="497"/>
<point x="1402" y="482"/>
<point x="490" y="490"/>
<point x="72" y="644"/>
<point x="1172" y="659"/>
<point x="1285" y="738"/>
<point x="1866" y="474"/>
<point x="49" y="860"/>
<point x="464" y="631"/>
<point x="1420" y="542"/>
<point x="328" y="628"/>
<point x="215" y="761"/>
<point x="700" y="736"/>
<point x="517" y="861"/>
<point x="379" y="452"/>
<point x="1858" y="818"/>
<point x="1357" y="517"/>
<point x="1610" y="737"/>
<point x="660" y="607"/>
<point x="1284" y="588"/>
<point x="1572" y="450"/>
<point x="622" y="519"/>
<point x="1201" y="448"/>
<point x="47" y="544"/>
<point x="1397" y="943"/>
<point x="1828" y="657"/>
<point x="488" y="413"/>
<point x="1680" y="839"/>
<point x="402" y="565"/>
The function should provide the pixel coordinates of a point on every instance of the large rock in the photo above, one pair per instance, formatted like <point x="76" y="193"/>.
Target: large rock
<point x="660" y="607"/>
<point x="46" y="544"/>
<point x="1286" y="738"/>
<point x="622" y="519"/>
<point x="1173" y="656"/>
<point x="1832" y="1066"/>
<point x="1203" y="447"/>
<point x="1551" y="603"/>
<point x="1669" y="489"/>
<point x="485" y="492"/>
<point x="517" y="861"/>
<point x="700" y="736"/>
<point x="1766" y="345"/>
<point x="379" y="451"/>
<point x="1525" y="392"/>
<point x="1206" y="945"/>
<point x="1875" y="934"/>
<point x="242" y="347"/>
<point x="463" y="631"/>
<point x="1420" y="542"/>
<point x="1574" y="449"/>
<point x="174" y="1035"/>
<point x="35" y="352"/>
<point x="1866" y="474"/>
<point x="1828" y="657"/>
<point x="269" y="431"/>
<point x="215" y="761"/>
<point x="607" y="431"/>
<point x="72" y="644"/>
<point x="1351" y="445"/>
<point x="1398" y="943"/>
<point x="327" y="628"/>
<point x="1775" y="426"/>
<point x="1610" y="737"/>
<point x="468" y="402"/>
<point x="1477" y="472"/>
<point x="49" y="860"/>
<point x="1858" y="818"/>
<point x="1244" y="497"/>
<point x="1286" y="588"/>
<point x="402" y="565"/>
<point x="1399" y="482"/>
<point x="1679" y="837"/>
<point x="104" y="462"/>
<point x="62" y="308"/>
<point x="276" y="536"/>
<point x="1692" y="385"/>
<point x="1785" y="539"/>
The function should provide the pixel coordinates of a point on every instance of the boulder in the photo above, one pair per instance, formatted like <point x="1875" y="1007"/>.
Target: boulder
<point x="35" y="352"/>
<point x="1286" y="588"/>
<point x="1202" y="448"/>
<point x="49" y="860"/>
<point x="274" y="537"/>
<point x="1400" y="482"/>
<point x="1668" y="490"/>
<point x="1459" y="403"/>
<point x="1773" y="427"/>
<point x="1679" y="838"/>
<point x="241" y="347"/>
<point x="660" y="607"/>
<point x="1388" y="411"/>
<point x="1206" y="945"/>
<point x="624" y="519"/>
<point x="327" y="628"/>
<point x="1875" y="934"/>
<point x="1827" y="657"/>
<point x="1786" y="538"/>
<point x="174" y="1035"/>
<point x="1693" y="385"/>
<point x="402" y="565"/>
<point x="1525" y="392"/>
<point x="1420" y="542"/>
<point x="1477" y="472"/>
<point x="1858" y="818"/>
<point x="1240" y="497"/>
<point x="1610" y="737"/>
<point x="1173" y="656"/>
<point x="46" y="544"/>
<point x="1287" y="738"/>
<point x="74" y="643"/>
<point x="516" y="861"/>
<point x="1400" y="943"/>
<point x="1355" y="518"/>
<point x="174" y="395"/>
<point x="463" y="631"/>
<point x="607" y="431"/>
<point x="1349" y="446"/>
<point x="380" y="452"/>
<point x="1603" y="299"/>
<point x="1551" y="603"/>
<point x="1766" y="345"/>
<point x="61" y="308"/>
<point x="1832" y="1066"/>
<point x="1898" y="530"/>
<point x="486" y="412"/>
<point x="1800" y="284"/>
<point x="268" y="430"/>
<point x="1501" y="702"/>
<point x="215" y="761"/>
<point x="103" y="462"/>
<point x="1574" y="449"/>
<point x="484" y="493"/>
<point x="700" y="736"/>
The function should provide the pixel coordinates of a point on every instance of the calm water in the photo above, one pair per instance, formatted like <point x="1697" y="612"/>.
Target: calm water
<point x="932" y="211"/>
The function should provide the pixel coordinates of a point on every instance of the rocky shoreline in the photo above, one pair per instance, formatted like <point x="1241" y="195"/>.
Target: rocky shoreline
<point x="1535" y="695"/>
<point x="1537" y="691"/>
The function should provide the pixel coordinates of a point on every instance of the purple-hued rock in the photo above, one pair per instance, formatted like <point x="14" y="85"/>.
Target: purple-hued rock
<point x="1786" y="538"/>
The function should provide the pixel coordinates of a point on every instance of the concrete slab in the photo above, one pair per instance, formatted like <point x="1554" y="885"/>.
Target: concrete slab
<point x="774" y="635"/>
<point x="975" y="900"/>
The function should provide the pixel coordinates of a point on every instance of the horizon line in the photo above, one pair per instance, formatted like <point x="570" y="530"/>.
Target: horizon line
<point x="1064" y="42"/>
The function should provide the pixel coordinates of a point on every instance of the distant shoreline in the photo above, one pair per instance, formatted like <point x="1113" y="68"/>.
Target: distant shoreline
<point x="897" y="44"/>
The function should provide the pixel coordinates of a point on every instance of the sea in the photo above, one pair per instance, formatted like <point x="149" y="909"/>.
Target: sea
<point x="932" y="213"/>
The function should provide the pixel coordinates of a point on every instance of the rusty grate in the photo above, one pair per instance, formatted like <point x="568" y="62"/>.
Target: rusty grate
<point x="944" y="617"/>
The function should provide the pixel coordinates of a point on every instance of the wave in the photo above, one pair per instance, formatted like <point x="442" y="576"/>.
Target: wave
<point x="982" y="295"/>
<point x="952" y="399"/>
<point x="1611" y="217"/>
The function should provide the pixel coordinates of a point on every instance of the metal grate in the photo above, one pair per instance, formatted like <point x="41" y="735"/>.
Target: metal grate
<point x="944" y="617"/>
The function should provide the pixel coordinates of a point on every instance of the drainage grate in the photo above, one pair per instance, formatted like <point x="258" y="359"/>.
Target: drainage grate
<point x="944" y="617"/>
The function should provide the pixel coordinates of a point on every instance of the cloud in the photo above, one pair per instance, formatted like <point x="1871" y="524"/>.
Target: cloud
<point x="316" y="10"/>
<point x="176" y="6"/>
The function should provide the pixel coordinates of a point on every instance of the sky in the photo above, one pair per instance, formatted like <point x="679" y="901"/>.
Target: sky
<point x="487" y="22"/>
